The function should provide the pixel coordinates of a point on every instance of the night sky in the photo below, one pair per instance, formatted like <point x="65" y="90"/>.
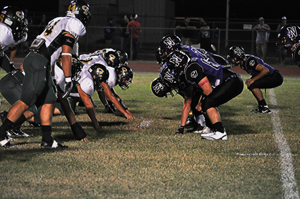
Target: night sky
<point x="239" y="9"/>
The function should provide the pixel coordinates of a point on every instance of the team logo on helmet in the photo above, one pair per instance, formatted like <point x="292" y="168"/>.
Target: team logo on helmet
<point x="169" y="42"/>
<point x="238" y="51"/>
<point x="292" y="32"/>
<point x="111" y="57"/>
<point x="20" y="14"/>
<point x="86" y="9"/>
<point x="157" y="87"/>
<point x="168" y="77"/>
<point x="99" y="72"/>
<point x="176" y="60"/>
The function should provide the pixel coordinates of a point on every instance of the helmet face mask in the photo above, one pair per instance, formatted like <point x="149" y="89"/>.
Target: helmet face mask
<point x="14" y="19"/>
<point x="81" y="11"/>
<point x="124" y="77"/>
<point x="123" y="56"/>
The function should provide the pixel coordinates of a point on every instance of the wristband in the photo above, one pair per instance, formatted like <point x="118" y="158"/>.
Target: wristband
<point x="69" y="54"/>
<point x="68" y="79"/>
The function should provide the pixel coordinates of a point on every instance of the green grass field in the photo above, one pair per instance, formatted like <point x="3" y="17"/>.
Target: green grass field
<point x="143" y="158"/>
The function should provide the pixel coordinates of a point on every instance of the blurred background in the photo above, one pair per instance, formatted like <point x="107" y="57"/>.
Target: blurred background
<point x="228" y="22"/>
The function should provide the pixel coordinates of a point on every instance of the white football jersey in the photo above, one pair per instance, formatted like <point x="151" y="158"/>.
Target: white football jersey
<point x="7" y="39"/>
<point x="112" y="78"/>
<point x="92" y="60"/>
<point x="85" y="80"/>
<point x="96" y="53"/>
<point x="54" y="31"/>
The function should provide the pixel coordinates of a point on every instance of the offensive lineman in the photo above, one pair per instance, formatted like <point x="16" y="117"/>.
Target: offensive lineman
<point x="59" y="36"/>
<point x="13" y="29"/>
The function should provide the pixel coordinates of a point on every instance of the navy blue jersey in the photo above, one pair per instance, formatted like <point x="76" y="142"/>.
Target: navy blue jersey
<point x="250" y="63"/>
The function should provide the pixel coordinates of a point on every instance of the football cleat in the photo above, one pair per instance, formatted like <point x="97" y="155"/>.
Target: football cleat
<point x="54" y="144"/>
<point x="17" y="132"/>
<point x="6" y="143"/>
<point x="262" y="109"/>
<point x="215" y="135"/>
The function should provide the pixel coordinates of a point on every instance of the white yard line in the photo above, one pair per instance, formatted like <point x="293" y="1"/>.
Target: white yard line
<point x="290" y="187"/>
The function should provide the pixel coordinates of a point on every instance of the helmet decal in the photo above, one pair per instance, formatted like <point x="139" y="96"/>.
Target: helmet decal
<point x="238" y="51"/>
<point x="292" y="32"/>
<point x="169" y="42"/>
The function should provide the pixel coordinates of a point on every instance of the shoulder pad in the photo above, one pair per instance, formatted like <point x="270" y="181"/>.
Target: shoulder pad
<point x="194" y="72"/>
<point x="251" y="63"/>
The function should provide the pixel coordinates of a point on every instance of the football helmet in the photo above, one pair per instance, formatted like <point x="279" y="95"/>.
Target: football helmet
<point x="123" y="57"/>
<point x="168" y="44"/>
<point x="14" y="19"/>
<point x="124" y="76"/>
<point x="289" y="35"/>
<point x="159" y="89"/>
<point x="177" y="60"/>
<point x="81" y="10"/>
<point x="169" y="78"/>
<point x="237" y="54"/>
<point x="99" y="74"/>
<point x="112" y="58"/>
<point x="76" y="65"/>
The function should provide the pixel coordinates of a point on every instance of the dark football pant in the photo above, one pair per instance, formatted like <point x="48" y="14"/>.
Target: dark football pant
<point x="223" y="93"/>
<point x="268" y="81"/>
<point x="10" y="88"/>
<point x="38" y="87"/>
<point x="5" y="63"/>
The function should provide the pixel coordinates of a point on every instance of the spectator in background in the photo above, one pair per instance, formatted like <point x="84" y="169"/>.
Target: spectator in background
<point x="262" y="38"/>
<point x="205" y="36"/>
<point x="124" y="34"/>
<point x="279" y="47"/>
<point x="134" y="29"/>
<point x="187" y="31"/>
<point x="108" y="32"/>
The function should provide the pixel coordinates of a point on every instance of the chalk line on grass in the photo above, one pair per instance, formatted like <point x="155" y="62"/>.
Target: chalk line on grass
<point x="290" y="187"/>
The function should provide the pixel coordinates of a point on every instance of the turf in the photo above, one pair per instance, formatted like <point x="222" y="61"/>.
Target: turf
<point x="143" y="158"/>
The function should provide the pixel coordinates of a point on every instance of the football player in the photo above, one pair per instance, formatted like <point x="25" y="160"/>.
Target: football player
<point x="262" y="75"/>
<point x="86" y="81"/>
<point x="11" y="88"/>
<point x="13" y="29"/>
<point x="117" y="75"/>
<point x="59" y="36"/>
<point x="218" y="86"/>
<point x="290" y="38"/>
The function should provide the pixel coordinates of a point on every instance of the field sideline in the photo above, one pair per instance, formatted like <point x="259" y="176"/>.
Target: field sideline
<point x="144" y="159"/>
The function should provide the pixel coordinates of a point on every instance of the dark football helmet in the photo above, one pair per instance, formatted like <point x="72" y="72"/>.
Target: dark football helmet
<point x="124" y="76"/>
<point x="112" y="58"/>
<point x="76" y="65"/>
<point x="237" y="54"/>
<point x="81" y="10"/>
<point x="123" y="57"/>
<point x="14" y="18"/>
<point x="168" y="44"/>
<point x="99" y="74"/>
<point x="289" y="35"/>
<point x="177" y="60"/>
<point x="159" y="89"/>
<point x="170" y="78"/>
